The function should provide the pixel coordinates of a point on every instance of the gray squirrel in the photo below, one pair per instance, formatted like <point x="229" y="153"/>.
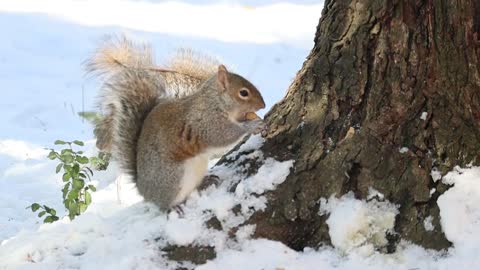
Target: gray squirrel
<point x="162" y="124"/>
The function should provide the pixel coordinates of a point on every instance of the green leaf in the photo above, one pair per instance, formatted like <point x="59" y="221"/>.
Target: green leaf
<point x="92" y="188"/>
<point x="73" y="209"/>
<point x="65" y="190"/>
<point x="82" y="207"/>
<point x="35" y="207"/>
<point x="82" y="159"/>
<point x="78" y="184"/>
<point x="67" y="168"/>
<point x="75" y="169"/>
<point x="50" y="219"/>
<point x="52" y="155"/>
<point x="59" y="142"/>
<point x="87" y="169"/>
<point x="58" y="168"/>
<point x="52" y="211"/>
<point x="66" y="151"/>
<point x="66" y="177"/>
<point x="67" y="158"/>
<point x="47" y="208"/>
<point x="77" y="142"/>
<point x="67" y="202"/>
<point x="87" y="175"/>
<point x="88" y="198"/>
<point x="72" y="195"/>
<point x="41" y="213"/>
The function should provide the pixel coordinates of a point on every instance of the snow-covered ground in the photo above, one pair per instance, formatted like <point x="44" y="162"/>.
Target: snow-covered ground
<point x="43" y="86"/>
<point x="120" y="231"/>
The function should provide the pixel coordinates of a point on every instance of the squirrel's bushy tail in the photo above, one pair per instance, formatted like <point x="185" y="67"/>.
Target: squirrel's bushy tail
<point x="132" y="85"/>
<point x="128" y="94"/>
<point x="115" y="53"/>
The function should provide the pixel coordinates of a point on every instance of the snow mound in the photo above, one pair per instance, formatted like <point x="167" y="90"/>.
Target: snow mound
<point x="358" y="225"/>
<point x="460" y="209"/>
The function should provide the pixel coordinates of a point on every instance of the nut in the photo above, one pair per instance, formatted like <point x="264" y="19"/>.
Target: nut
<point x="251" y="116"/>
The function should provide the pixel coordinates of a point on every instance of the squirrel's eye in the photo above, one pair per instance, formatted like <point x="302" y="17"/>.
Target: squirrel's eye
<point x="244" y="93"/>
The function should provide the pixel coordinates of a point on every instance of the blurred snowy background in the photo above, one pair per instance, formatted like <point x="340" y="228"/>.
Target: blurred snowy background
<point x="45" y="42"/>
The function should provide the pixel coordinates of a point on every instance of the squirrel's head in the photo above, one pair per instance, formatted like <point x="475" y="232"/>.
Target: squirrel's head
<point x="244" y="96"/>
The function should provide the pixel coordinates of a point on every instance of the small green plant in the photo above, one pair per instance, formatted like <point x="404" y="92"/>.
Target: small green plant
<point x="76" y="192"/>
<point x="50" y="212"/>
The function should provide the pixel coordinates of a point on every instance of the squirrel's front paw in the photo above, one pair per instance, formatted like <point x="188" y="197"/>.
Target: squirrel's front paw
<point x="255" y="126"/>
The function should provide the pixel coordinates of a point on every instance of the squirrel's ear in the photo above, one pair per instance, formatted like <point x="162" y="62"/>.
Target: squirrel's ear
<point x="222" y="77"/>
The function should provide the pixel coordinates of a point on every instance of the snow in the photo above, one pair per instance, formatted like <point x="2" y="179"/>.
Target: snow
<point x="182" y="231"/>
<point x="21" y="150"/>
<point x="220" y="21"/>
<point x="460" y="207"/>
<point x="427" y="223"/>
<point x="86" y="242"/>
<point x="403" y="150"/>
<point x="424" y="116"/>
<point x="358" y="225"/>
<point x="373" y="193"/>
<point x="26" y="177"/>
<point x="259" y="183"/>
<point x="262" y="248"/>
<point x="254" y="142"/>
<point x="436" y="175"/>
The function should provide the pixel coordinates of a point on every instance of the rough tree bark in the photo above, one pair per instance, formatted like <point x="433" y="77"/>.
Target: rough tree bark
<point x="382" y="75"/>
<point x="376" y="67"/>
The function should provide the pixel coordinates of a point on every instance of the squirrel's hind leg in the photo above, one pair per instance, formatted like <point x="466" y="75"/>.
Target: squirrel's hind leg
<point x="160" y="183"/>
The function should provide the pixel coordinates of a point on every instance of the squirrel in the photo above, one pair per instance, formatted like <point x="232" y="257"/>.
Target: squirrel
<point x="163" y="124"/>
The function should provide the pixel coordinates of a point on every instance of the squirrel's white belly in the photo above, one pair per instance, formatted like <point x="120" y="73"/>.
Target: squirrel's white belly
<point x="194" y="170"/>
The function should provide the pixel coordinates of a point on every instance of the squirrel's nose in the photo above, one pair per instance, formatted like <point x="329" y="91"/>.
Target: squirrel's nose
<point x="262" y="104"/>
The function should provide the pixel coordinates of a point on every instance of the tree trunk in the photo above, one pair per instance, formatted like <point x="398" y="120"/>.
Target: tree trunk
<point x="382" y="76"/>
